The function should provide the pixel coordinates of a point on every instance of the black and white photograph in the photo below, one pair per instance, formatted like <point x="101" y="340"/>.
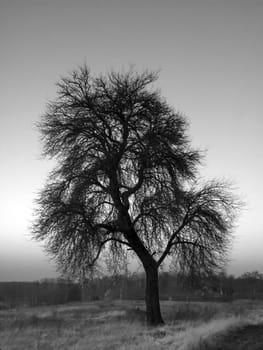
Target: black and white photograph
<point x="131" y="145"/>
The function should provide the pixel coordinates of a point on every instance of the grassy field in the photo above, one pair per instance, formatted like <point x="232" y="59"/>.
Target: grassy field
<point x="121" y="325"/>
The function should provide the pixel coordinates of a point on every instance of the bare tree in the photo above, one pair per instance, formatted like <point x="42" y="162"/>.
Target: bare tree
<point x="125" y="181"/>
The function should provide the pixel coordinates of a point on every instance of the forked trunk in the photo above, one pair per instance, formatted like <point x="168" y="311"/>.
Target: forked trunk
<point x="153" y="309"/>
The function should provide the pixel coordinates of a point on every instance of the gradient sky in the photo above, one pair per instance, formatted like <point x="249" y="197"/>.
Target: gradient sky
<point x="210" y="56"/>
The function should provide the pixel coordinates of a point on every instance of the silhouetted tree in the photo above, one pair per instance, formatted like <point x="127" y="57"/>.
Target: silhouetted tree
<point x="125" y="181"/>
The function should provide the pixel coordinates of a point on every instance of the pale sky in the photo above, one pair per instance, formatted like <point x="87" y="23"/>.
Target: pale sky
<point x="210" y="56"/>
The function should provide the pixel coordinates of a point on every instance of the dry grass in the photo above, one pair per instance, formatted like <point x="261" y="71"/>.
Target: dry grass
<point x="118" y="325"/>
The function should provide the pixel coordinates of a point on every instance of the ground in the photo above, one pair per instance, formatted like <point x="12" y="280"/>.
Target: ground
<point x="247" y="337"/>
<point x="110" y="325"/>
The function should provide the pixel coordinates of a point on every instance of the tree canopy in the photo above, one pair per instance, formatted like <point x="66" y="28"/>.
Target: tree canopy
<point x="127" y="178"/>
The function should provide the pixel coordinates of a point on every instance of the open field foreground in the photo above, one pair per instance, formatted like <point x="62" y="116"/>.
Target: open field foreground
<point x="120" y="325"/>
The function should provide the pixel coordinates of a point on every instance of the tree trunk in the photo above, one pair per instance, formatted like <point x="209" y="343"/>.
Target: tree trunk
<point x="153" y="309"/>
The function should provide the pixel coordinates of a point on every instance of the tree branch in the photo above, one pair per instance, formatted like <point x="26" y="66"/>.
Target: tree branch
<point x="170" y="241"/>
<point x="102" y="245"/>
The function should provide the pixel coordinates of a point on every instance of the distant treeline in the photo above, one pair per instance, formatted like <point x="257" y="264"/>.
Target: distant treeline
<point x="48" y="292"/>
<point x="172" y="286"/>
<point x="178" y="287"/>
